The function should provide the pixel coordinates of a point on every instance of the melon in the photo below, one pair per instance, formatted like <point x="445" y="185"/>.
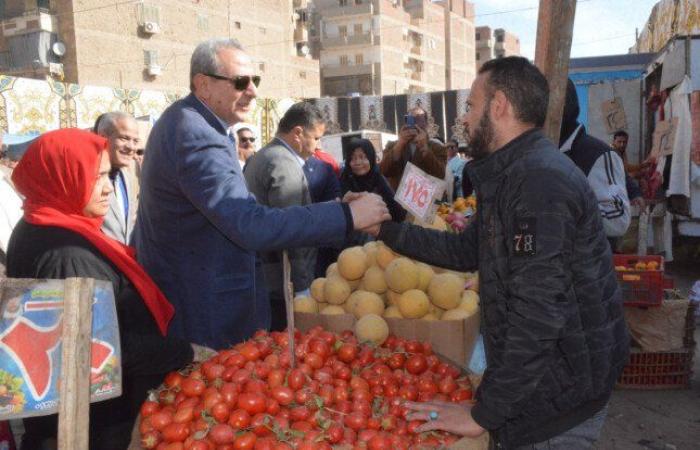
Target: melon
<point x="455" y="314"/>
<point x="372" y="328"/>
<point x="305" y="304"/>
<point x="332" y="310"/>
<point x="374" y="281"/>
<point x="445" y="290"/>
<point x="393" y="312"/>
<point x="425" y="274"/>
<point x="384" y="256"/>
<point x="316" y="288"/>
<point x="414" y="304"/>
<point x="336" y="290"/>
<point x="402" y="275"/>
<point x="367" y="303"/>
<point x="352" y="263"/>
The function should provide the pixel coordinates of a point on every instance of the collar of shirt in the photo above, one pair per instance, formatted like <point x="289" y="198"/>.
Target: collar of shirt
<point x="566" y="146"/>
<point x="299" y="159"/>
<point x="223" y="124"/>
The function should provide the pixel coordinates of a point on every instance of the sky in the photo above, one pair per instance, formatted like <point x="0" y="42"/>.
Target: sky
<point x="601" y="27"/>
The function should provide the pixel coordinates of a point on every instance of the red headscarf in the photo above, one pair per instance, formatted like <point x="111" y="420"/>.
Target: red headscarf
<point x="57" y="175"/>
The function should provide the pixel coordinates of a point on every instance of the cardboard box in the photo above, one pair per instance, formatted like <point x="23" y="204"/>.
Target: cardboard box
<point x="452" y="339"/>
<point x="658" y="329"/>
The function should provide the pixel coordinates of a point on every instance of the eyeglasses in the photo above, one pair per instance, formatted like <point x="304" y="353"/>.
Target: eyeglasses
<point x="140" y="152"/>
<point x="240" y="82"/>
<point x="247" y="139"/>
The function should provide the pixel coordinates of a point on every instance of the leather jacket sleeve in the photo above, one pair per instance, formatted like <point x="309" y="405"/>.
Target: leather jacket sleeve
<point x="449" y="250"/>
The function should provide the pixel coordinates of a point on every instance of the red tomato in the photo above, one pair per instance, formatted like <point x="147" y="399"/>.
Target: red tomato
<point x="183" y="415"/>
<point x="222" y="434"/>
<point x="320" y="347"/>
<point x="254" y="403"/>
<point x="283" y="394"/>
<point x="416" y="364"/>
<point x="220" y="412"/>
<point x="379" y="441"/>
<point x="259" y="423"/>
<point x="176" y="432"/>
<point x="239" y="419"/>
<point x="160" y="420"/>
<point x="212" y="371"/>
<point x="229" y="393"/>
<point x="149" y="408"/>
<point x="193" y="387"/>
<point x="275" y="378"/>
<point x="461" y="395"/>
<point x="296" y="379"/>
<point x="250" y="351"/>
<point x="447" y="385"/>
<point x="355" y="421"/>
<point x="173" y="380"/>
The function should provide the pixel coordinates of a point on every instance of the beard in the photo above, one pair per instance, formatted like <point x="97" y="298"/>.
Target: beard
<point x="481" y="138"/>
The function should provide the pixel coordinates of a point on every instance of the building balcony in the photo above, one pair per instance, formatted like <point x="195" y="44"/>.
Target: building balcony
<point x="342" y="71"/>
<point x="301" y="34"/>
<point x="349" y="10"/>
<point x="484" y="43"/>
<point x="29" y="22"/>
<point x="355" y="39"/>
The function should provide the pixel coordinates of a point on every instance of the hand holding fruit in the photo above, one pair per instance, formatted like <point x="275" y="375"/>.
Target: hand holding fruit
<point x="451" y="417"/>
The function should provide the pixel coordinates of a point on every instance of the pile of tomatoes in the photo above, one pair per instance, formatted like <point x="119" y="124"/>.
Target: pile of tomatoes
<point x="341" y="394"/>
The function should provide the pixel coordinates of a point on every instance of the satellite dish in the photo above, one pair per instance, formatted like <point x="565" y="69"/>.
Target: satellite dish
<point x="304" y="50"/>
<point x="58" y="48"/>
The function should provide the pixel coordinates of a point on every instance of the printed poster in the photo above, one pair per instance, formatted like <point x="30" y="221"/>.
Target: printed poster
<point x="30" y="346"/>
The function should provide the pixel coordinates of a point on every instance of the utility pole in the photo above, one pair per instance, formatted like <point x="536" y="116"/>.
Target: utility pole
<point x="555" y="27"/>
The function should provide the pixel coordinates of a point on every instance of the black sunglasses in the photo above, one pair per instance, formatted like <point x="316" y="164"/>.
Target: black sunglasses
<point x="240" y="82"/>
<point x="140" y="152"/>
<point x="247" y="139"/>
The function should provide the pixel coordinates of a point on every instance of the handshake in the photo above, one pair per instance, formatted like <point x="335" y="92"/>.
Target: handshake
<point x="368" y="211"/>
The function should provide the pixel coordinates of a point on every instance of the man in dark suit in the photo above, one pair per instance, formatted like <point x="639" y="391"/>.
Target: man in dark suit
<point x="276" y="176"/>
<point x="122" y="134"/>
<point x="199" y="228"/>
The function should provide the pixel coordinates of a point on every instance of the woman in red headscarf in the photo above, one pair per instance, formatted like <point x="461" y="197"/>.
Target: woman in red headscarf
<point x="64" y="179"/>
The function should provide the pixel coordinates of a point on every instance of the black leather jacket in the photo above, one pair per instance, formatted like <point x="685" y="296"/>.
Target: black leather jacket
<point x="551" y="310"/>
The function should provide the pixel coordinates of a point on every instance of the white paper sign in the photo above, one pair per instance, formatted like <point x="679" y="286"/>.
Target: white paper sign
<point x="418" y="191"/>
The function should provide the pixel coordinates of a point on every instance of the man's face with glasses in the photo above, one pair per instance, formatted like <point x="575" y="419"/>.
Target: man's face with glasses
<point x="229" y="92"/>
<point x="246" y="144"/>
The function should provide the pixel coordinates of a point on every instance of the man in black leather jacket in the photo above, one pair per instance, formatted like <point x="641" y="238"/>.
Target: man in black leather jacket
<point x="551" y="310"/>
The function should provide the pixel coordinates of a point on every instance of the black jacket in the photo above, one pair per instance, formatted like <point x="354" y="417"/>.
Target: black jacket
<point x="56" y="253"/>
<point x="554" y="332"/>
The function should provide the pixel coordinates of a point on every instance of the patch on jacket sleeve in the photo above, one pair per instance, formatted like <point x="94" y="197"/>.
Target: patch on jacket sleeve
<point x="525" y="236"/>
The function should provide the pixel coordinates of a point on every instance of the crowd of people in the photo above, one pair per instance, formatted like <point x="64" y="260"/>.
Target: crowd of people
<point x="192" y="236"/>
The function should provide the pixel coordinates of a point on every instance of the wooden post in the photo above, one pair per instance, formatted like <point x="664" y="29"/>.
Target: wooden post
<point x="289" y="304"/>
<point x="74" y="403"/>
<point x="555" y="27"/>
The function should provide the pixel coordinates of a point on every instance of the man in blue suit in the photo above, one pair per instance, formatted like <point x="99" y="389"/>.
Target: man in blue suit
<point x="199" y="228"/>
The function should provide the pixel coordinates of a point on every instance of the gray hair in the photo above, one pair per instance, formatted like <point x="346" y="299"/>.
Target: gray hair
<point x="205" y="58"/>
<point x="107" y="125"/>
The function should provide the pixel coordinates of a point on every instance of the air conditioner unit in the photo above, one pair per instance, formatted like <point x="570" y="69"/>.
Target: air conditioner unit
<point x="154" y="70"/>
<point x="151" y="28"/>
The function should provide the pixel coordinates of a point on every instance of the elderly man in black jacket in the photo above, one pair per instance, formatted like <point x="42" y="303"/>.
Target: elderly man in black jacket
<point x="551" y="310"/>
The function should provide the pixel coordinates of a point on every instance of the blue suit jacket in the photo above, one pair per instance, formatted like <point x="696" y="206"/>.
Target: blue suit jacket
<point x="198" y="228"/>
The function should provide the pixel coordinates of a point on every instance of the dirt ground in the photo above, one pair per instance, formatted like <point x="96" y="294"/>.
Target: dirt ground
<point x="659" y="420"/>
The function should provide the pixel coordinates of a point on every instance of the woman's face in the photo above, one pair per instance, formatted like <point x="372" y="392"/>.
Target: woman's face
<point x="98" y="205"/>
<point x="359" y="164"/>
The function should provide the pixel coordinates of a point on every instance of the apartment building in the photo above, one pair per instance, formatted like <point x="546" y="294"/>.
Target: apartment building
<point x="147" y="44"/>
<point x="385" y="47"/>
<point x="496" y="43"/>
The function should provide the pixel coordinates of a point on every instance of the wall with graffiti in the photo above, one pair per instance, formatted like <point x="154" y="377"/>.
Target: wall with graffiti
<point x="29" y="106"/>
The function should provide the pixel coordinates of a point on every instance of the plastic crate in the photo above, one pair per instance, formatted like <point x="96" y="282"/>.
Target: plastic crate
<point x="640" y="287"/>
<point x="662" y="370"/>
